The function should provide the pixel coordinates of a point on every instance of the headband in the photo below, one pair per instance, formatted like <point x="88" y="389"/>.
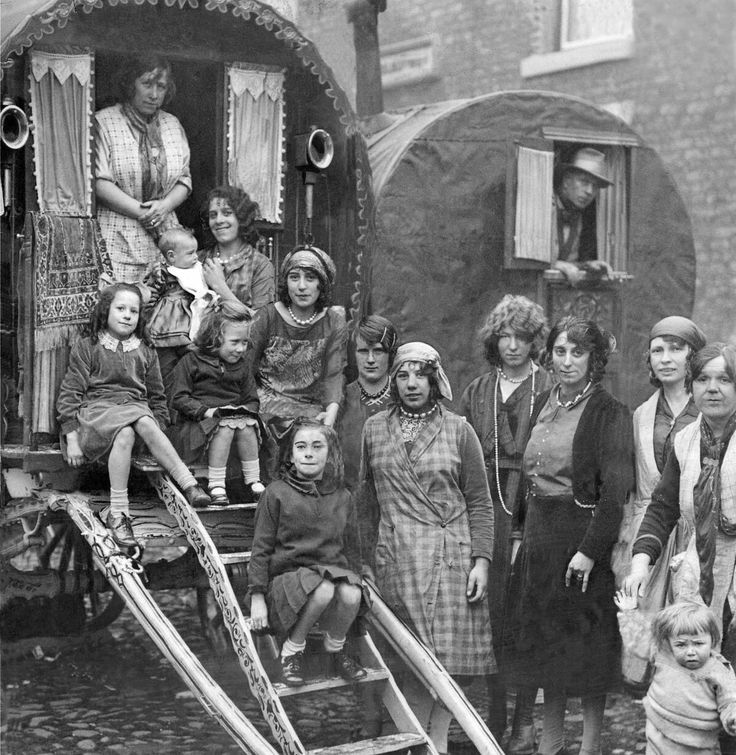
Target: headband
<point x="681" y="327"/>
<point x="416" y="351"/>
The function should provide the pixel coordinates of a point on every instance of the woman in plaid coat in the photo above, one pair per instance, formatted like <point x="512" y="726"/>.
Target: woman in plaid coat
<point x="435" y="524"/>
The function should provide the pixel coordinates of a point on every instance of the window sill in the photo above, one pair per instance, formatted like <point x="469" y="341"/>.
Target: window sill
<point x="577" y="57"/>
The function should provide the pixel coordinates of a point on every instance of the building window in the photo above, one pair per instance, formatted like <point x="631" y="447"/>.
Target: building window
<point x="571" y="34"/>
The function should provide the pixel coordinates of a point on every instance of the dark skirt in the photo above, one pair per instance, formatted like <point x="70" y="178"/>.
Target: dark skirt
<point x="101" y="421"/>
<point x="289" y="592"/>
<point x="557" y="636"/>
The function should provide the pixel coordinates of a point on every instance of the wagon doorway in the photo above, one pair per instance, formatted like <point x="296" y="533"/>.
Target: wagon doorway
<point x="198" y="104"/>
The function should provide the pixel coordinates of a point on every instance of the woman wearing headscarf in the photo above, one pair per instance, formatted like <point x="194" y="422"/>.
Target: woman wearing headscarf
<point x="561" y="630"/>
<point x="499" y="406"/>
<point x="141" y="167"/>
<point x="698" y="484"/>
<point x="299" y="343"/>
<point x="673" y="342"/>
<point x="432" y="520"/>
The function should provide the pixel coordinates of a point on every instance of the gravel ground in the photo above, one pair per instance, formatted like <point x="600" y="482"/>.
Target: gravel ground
<point x="114" y="693"/>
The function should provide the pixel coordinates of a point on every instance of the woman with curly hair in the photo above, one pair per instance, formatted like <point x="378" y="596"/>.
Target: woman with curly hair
<point x="299" y="344"/>
<point x="233" y="267"/>
<point x="499" y="406"/>
<point x="561" y="630"/>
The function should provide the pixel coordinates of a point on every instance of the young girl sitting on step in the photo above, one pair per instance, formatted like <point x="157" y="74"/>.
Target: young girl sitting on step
<point x="305" y="556"/>
<point x="214" y="395"/>
<point x="111" y="395"/>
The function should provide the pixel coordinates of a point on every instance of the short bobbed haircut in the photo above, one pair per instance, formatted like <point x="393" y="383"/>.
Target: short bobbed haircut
<point x="136" y="67"/>
<point x="523" y="317"/>
<point x="434" y="388"/>
<point x="101" y="310"/>
<point x="686" y="617"/>
<point x="378" y="329"/>
<point x="590" y="337"/>
<point x="710" y="352"/>
<point x="210" y="336"/>
<point x="677" y="341"/>
<point x="246" y="210"/>
<point x="334" y="468"/>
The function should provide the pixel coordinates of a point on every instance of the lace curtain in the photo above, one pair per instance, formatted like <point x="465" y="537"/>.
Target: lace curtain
<point x="534" y="205"/>
<point x="61" y="106"/>
<point x="255" y="136"/>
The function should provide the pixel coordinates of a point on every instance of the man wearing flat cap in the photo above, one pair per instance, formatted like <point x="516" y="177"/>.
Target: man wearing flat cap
<point x="574" y="237"/>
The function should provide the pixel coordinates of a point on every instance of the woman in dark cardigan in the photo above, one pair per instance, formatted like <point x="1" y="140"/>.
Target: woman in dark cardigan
<point x="578" y="467"/>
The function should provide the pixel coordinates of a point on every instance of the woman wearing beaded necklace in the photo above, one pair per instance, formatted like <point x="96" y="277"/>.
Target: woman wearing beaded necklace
<point x="561" y="631"/>
<point x="425" y="502"/>
<point x="299" y="344"/>
<point x="375" y="340"/>
<point x="233" y="267"/>
<point x="499" y="405"/>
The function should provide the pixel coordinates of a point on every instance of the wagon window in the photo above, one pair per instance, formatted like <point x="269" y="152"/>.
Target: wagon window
<point x="61" y="107"/>
<point x="255" y="136"/>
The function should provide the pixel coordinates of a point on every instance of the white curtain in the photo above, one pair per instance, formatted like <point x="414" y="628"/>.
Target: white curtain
<point x="255" y="141"/>
<point x="612" y="211"/>
<point x="534" y="205"/>
<point x="61" y="106"/>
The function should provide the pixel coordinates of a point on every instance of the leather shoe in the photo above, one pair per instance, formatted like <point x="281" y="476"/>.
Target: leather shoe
<point x="196" y="497"/>
<point x="121" y="530"/>
<point x="219" y="498"/>
<point x="523" y="741"/>
<point x="292" y="669"/>
<point x="347" y="667"/>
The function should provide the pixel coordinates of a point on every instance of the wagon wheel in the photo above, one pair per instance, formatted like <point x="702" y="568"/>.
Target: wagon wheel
<point x="70" y="555"/>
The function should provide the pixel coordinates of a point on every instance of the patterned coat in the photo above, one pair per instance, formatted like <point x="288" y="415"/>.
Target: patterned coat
<point x="436" y="516"/>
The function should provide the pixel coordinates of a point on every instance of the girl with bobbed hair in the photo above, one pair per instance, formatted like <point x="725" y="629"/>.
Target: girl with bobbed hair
<point x="233" y="266"/>
<point x="673" y="342"/>
<point x="561" y="630"/>
<point x="141" y="167"/>
<point x="499" y="405"/>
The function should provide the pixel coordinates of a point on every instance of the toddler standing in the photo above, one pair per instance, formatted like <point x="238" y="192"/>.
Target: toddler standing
<point x="300" y="567"/>
<point x="111" y="395"/>
<point x="693" y="689"/>
<point x="179" y="297"/>
<point x="214" y="393"/>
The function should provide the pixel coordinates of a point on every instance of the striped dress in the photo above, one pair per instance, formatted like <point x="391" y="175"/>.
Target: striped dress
<point x="434" y="517"/>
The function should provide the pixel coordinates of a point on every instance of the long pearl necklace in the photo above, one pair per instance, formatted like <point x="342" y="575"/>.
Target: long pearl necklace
<point x="572" y="401"/>
<point x="374" y="398"/>
<point x="411" y="423"/>
<point x="496" y="391"/>
<point x="308" y="321"/>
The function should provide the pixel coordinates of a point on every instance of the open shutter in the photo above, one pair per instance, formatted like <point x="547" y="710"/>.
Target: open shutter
<point x="612" y="212"/>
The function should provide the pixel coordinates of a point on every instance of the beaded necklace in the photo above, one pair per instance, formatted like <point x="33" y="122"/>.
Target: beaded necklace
<point x="369" y="399"/>
<point x="308" y="321"/>
<point x="227" y="260"/>
<point x="411" y="423"/>
<point x="572" y="401"/>
<point x="496" y="391"/>
<point x="514" y="380"/>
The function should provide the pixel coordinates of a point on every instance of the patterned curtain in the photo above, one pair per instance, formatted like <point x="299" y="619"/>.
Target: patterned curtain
<point x="612" y="212"/>
<point x="534" y="204"/>
<point x="61" y="106"/>
<point x="255" y="141"/>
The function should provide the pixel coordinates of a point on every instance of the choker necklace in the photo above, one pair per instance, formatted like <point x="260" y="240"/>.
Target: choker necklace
<point x="226" y="260"/>
<point x="496" y="391"/>
<point x="418" y="415"/>
<point x="374" y="398"/>
<point x="572" y="401"/>
<point x="411" y="423"/>
<point x="515" y="380"/>
<point x="308" y="321"/>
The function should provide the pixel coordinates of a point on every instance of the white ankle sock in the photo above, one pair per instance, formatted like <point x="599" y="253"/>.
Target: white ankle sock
<point x="251" y="471"/>
<point x="216" y="478"/>
<point x="182" y="476"/>
<point x="119" y="501"/>
<point x="290" y="647"/>
<point x="332" y="644"/>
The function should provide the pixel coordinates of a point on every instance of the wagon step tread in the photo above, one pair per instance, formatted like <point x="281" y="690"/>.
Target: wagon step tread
<point x="328" y="682"/>
<point x="375" y="746"/>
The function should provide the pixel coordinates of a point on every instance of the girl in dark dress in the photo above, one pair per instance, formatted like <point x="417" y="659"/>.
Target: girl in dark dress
<point x="214" y="394"/>
<point x="578" y="467"/>
<point x="305" y="562"/>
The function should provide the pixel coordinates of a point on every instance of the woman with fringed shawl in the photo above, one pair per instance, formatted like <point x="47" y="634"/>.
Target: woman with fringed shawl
<point x="499" y="405"/>
<point x="141" y="167"/>
<point x="699" y="483"/>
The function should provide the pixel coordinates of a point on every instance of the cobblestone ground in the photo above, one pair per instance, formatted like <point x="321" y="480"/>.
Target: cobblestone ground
<point x="114" y="693"/>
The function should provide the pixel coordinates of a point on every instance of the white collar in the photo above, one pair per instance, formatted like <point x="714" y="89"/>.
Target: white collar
<point x="110" y="343"/>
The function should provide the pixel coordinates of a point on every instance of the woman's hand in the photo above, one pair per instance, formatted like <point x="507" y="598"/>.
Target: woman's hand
<point x="329" y="416"/>
<point x="478" y="580"/>
<point x="635" y="583"/>
<point x="579" y="570"/>
<point x="258" y="611"/>
<point x="154" y="212"/>
<point x="214" y="275"/>
<point x="74" y="454"/>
